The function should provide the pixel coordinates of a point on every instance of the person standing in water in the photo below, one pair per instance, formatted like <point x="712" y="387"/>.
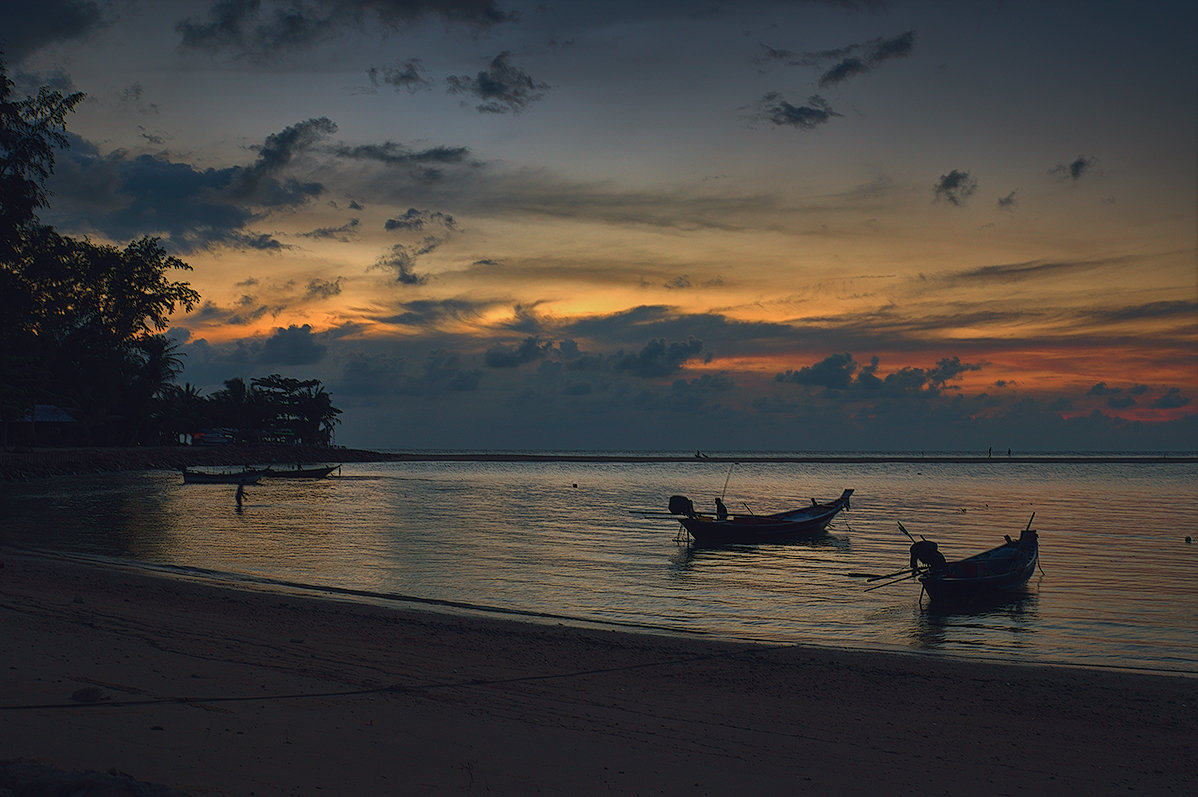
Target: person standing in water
<point x="240" y="495"/>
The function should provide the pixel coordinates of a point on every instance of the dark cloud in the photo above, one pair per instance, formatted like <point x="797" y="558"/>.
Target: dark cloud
<point x="425" y="164"/>
<point x="323" y="289"/>
<point x="408" y="76"/>
<point x="258" y="180"/>
<point x="416" y="220"/>
<point x="527" y="351"/>
<point x="843" y="71"/>
<point x="125" y="198"/>
<point x="1074" y="170"/>
<point x="344" y="233"/>
<point x="402" y="261"/>
<point x="430" y="313"/>
<point x="26" y="27"/>
<point x="1171" y="400"/>
<point x="292" y="346"/>
<point x="846" y="62"/>
<point x="841" y="373"/>
<point x="260" y="29"/>
<point x="658" y="358"/>
<point x="502" y="87"/>
<point x="781" y="113"/>
<point x="1006" y="202"/>
<point x="835" y="371"/>
<point x="955" y="187"/>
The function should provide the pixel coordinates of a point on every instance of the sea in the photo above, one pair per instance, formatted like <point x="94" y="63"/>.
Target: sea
<point x="580" y="538"/>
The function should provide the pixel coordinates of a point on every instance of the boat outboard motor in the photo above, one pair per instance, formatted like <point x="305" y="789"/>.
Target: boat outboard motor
<point x="681" y="505"/>
<point x="928" y="553"/>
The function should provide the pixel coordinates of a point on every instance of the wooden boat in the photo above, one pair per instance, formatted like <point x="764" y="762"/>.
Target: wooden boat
<point x="793" y="524"/>
<point x="1006" y="568"/>
<point x="301" y="473"/>
<point x="246" y="476"/>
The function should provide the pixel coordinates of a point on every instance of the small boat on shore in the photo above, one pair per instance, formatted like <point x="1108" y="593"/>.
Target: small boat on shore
<point x="246" y="476"/>
<point x="1004" y="569"/>
<point x="729" y="529"/>
<point x="301" y="473"/>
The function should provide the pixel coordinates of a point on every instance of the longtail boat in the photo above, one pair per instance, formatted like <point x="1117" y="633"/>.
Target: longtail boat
<point x="1006" y="568"/>
<point x="246" y="476"/>
<point x="735" y="529"/>
<point x="301" y="473"/>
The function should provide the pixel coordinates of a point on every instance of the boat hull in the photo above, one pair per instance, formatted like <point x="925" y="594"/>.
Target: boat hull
<point x="199" y="477"/>
<point x="1004" y="569"/>
<point x="796" y="524"/>
<point x="301" y="473"/>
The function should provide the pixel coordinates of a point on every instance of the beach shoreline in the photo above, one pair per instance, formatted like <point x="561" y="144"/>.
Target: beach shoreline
<point x="207" y="688"/>
<point x="26" y="464"/>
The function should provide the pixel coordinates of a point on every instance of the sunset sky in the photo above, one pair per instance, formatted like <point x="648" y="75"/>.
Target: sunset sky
<point x="641" y="225"/>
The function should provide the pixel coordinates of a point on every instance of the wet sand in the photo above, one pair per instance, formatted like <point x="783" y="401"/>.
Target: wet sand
<point x="207" y="689"/>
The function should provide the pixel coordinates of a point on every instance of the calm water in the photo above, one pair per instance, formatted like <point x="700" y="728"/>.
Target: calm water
<point x="1119" y="585"/>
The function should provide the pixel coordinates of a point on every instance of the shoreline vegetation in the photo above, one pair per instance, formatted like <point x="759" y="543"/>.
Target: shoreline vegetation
<point x="25" y="464"/>
<point x="202" y="687"/>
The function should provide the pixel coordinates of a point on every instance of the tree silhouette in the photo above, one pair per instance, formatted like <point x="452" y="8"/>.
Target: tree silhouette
<point x="81" y="318"/>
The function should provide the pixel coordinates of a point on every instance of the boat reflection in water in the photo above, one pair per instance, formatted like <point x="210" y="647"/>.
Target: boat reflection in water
<point x="979" y="623"/>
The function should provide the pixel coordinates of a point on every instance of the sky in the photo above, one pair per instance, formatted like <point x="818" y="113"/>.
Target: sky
<point x="753" y="225"/>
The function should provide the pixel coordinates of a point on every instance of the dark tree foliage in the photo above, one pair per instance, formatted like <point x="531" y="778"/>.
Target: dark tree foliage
<point x="272" y="409"/>
<point x="83" y="322"/>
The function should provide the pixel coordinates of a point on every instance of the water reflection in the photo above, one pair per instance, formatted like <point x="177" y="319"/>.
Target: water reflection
<point x="1004" y="622"/>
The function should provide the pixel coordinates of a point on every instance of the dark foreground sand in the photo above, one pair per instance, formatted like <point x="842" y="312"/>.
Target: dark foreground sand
<point x="203" y="689"/>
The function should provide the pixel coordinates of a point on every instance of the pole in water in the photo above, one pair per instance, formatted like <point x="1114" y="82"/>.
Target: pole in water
<point x="726" y="478"/>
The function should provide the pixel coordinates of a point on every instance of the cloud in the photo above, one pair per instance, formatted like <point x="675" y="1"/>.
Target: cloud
<point x="1074" y="170"/>
<point x="955" y="187"/>
<point x="1171" y="400"/>
<point x="529" y="350"/>
<point x="344" y="233"/>
<point x="658" y="358"/>
<point x="781" y="113"/>
<point x="835" y="371"/>
<point x="502" y="88"/>
<point x="402" y="261"/>
<point x="125" y="197"/>
<point x="26" y="27"/>
<point x="257" y="181"/>
<point x="416" y="220"/>
<point x="292" y="346"/>
<point x="841" y="373"/>
<point x="1006" y="202"/>
<point x="873" y="53"/>
<point x="428" y="164"/>
<point x="323" y="289"/>
<point x="408" y="76"/>
<point x="433" y="312"/>
<point x="260" y="30"/>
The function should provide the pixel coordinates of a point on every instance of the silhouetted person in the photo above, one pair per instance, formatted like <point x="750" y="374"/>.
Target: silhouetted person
<point x="721" y="511"/>
<point x="240" y="495"/>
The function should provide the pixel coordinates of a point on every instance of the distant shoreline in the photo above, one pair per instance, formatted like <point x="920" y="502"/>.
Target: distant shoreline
<point x="22" y="465"/>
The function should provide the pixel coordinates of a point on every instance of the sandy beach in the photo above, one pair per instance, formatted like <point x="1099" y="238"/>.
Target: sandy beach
<point x="204" y="688"/>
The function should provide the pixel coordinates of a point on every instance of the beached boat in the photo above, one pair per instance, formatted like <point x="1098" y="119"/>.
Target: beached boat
<point x="1004" y="569"/>
<point x="301" y="473"/>
<point x="793" y="524"/>
<point x="246" y="476"/>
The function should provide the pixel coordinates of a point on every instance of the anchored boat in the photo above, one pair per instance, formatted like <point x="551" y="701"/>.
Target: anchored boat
<point x="733" y="529"/>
